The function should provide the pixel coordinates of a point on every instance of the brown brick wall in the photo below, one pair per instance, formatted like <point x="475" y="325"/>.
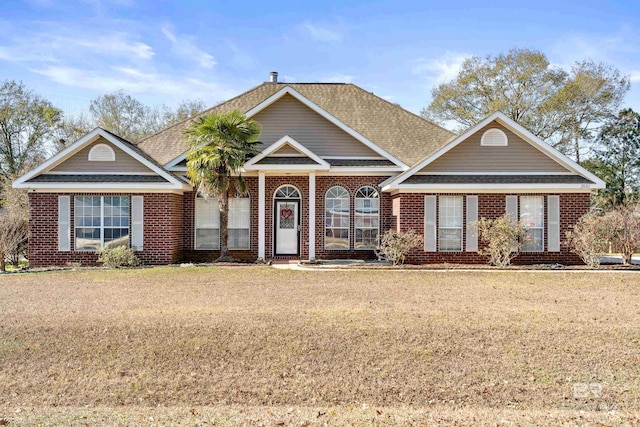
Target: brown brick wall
<point x="162" y="230"/>
<point x="572" y="207"/>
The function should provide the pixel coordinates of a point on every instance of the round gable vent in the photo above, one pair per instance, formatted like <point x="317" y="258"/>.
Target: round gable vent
<point x="494" y="138"/>
<point x="102" y="153"/>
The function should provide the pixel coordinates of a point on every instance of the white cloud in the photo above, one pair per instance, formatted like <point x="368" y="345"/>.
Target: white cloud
<point x="634" y="76"/>
<point x="321" y="33"/>
<point x="442" y="69"/>
<point x="185" y="47"/>
<point x="117" y="43"/>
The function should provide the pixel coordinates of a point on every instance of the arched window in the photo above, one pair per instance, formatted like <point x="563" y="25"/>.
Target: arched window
<point x="336" y="212"/>
<point x="101" y="153"/>
<point x="367" y="218"/>
<point x="287" y="192"/>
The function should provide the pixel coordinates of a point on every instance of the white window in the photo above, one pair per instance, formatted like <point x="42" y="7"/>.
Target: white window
<point x="494" y="138"/>
<point x="336" y="212"/>
<point x="450" y="223"/>
<point x="101" y="222"/>
<point x="207" y="224"/>
<point x="367" y="218"/>
<point x="207" y="221"/>
<point x="532" y="216"/>
<point x="239" y="223"/>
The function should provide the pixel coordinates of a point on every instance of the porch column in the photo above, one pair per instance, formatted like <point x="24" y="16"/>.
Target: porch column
<point x="312" y="216"/>
<point x="261" y="217"/>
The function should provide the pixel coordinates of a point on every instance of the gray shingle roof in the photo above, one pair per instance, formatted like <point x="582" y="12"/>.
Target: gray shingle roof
<point x="497" y="179"/>
<point x="55" y="178"/>
<point x="401" y="133"/>
<point x="360" y="162"/>
<point x="287" y="161"/>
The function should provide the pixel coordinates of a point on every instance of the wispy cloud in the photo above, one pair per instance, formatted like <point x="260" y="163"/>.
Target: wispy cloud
<point x="322" y="33"/>
<point x="185" y="47"/>
<point x="634" y="76"/>
<point x="441" y="69"/>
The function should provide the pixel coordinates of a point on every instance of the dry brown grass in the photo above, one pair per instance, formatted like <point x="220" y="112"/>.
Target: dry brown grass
<point x="417" y="346"/>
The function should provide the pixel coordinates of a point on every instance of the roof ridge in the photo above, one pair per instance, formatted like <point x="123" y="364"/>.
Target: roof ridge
<point x="200" y="113"/>
<point x="404" y="109"/>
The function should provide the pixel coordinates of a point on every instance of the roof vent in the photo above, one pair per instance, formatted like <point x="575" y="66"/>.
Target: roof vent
<point x="494" y="138"/>
<point x="102" y="153"/>
<point x="273" y="77"/>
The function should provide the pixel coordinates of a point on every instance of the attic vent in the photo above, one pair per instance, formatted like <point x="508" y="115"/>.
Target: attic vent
<point x="494" y="138"/>
<point x="102" y="153"/>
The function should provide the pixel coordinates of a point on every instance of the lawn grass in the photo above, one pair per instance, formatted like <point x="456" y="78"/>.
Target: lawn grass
<point x="257" y="345"/>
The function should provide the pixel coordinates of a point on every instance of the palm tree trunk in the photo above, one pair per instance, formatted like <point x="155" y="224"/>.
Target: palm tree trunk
<point x="223" y="201"/>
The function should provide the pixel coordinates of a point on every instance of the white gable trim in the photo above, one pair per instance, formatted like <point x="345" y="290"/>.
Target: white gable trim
<point x="83" y="142"/>
<point x="286" y="140"/>
<point x="515" y="128"/>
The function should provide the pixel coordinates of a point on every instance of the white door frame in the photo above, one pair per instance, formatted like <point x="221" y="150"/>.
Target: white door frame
<point x="274" y="223"/>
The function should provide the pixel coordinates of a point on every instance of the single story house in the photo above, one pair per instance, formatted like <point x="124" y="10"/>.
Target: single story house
<point x="337" y="166"/>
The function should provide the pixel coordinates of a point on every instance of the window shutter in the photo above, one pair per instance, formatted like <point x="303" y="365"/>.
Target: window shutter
<point x="472" y="228"/>
<point x="430" y="223"/>
<point x="137" y="222"/>
<point x="64" y="223"/>
<point x="512" y="207"/>
<point x="553" y="223"/>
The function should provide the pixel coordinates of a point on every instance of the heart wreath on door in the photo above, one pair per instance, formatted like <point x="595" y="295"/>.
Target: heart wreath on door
<point x="286" y="213"/>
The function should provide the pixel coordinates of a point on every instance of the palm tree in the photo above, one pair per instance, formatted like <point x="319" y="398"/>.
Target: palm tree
<point x="219" y="144"/>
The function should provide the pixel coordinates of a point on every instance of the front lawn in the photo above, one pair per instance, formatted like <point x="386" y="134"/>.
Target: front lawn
<point x="260" y="345"/>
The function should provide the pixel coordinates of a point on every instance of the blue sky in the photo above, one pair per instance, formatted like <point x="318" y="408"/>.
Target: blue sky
<point x="165" y="51"/>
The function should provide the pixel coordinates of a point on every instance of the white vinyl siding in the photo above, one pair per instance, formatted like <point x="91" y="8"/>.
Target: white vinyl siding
<point x="239" y="223"/>
<point x="64" y="223"/>
<point x="532" y="216"/>
<point x="337" y="218"/>
<point x="367" y="218"/>
<point x="472" y="227"/>
<point x="553" y="223"/>
<point x="429" y="223"/>
<point x="450" y="223"/>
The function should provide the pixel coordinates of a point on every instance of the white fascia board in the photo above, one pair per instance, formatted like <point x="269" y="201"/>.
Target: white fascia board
<point x="286" y="140"/>
<point x="171" y="165"/>
<point x="109" y="190"/>
<point x="98" y="185"/>
<point x="514" y="127"/>
<point x="81" y="143"/>
<point x="341" y="169"/>
<point x="291" y="91"/>
<point x="285" y="168"/>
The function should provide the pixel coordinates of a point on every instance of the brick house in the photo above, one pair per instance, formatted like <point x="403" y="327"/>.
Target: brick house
<point x="337" y="167"/>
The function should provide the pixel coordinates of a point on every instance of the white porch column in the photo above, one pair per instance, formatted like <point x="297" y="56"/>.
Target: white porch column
<point x="261" y="217"/>
<point x="312" y="216"/>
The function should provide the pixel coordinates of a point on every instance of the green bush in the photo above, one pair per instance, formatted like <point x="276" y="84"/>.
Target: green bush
<point x="503" y="239"/>
<point x="118" y="257"/>
<point x="395" y="245"/>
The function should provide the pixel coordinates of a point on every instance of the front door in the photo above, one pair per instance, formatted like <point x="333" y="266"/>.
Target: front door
<point x="287" y="227"/>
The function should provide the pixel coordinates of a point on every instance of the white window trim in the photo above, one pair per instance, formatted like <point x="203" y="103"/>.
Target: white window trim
<point x="324" y="219"/>
<point x="461" y="228"/>
<point x="101" y="226"/>
<point x="92" y="156"/>
<point x="541" y="227"/>
<point x="356" y="228"/>
<point x="196" y="228"/>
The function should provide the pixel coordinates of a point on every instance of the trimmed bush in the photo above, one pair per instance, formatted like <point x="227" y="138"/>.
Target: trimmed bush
<point x="395" y="245"/>
<point x="118" y="257"/>
<point x="503" y="239"/>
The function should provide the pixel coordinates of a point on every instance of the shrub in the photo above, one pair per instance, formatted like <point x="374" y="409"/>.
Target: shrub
<point x="589" y="239"/>
<point x="622" y="226"/>
<point x="118" y="257"/>
<point x="14" y="233"/>
<point x="395" y="245"/>
<point x="503" y="239"/>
